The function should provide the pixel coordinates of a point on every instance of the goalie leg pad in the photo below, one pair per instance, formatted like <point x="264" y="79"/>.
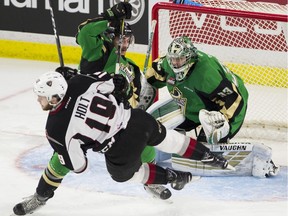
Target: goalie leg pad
<point x="262" y="165"/>
<point x="264" y="168"/>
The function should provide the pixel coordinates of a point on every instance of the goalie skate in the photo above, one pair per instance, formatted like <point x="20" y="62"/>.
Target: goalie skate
<point x="158" y="191"/>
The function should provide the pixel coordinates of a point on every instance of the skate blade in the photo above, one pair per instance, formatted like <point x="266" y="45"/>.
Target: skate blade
<point x="230" y="167"/>
<point x="164" y="195"/>
<point x="195" y="178"/>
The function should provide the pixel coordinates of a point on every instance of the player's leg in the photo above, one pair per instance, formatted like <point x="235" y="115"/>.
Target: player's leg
<point x="156" y="190"/>
<point x="48" y="183"/>
<point x="187" y="147"/>
<point x="123" y="158"/>
<point x="154" y="174"/>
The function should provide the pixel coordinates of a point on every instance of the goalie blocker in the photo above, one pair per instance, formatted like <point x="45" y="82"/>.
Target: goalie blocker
<point x="248" y="159"/>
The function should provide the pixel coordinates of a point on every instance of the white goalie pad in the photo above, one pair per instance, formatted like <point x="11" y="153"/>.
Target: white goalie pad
<point x="248" y="159"/>
<point x="167" y="112"/>
<point x="170" y="115"/>
<point x="262" y="165"/>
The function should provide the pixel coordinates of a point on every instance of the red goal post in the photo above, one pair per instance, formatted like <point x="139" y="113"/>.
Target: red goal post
<point x="251" y="39"/>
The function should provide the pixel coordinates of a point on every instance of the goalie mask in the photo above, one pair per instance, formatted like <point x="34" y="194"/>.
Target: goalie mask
<point x="181" y="56"/>
<point x="51" y="84"/>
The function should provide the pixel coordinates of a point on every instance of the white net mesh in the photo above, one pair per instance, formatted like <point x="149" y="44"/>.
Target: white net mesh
<point x="254" y="48"/>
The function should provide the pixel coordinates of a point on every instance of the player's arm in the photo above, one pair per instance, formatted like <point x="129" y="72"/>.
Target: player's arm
<point x="76" y="159"/>
<point x="89" y="32"/>
<point x="156" y="75"/>
<point x="227" y="99"/>
<point x="89" y="39"/>
<point x="225" y="104"/>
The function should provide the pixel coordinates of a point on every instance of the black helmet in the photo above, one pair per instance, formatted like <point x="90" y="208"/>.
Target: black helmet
<point x="114" y="30"/>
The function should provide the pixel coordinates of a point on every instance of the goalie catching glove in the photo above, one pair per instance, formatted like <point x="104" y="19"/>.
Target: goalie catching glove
<point x="214" y="125"/>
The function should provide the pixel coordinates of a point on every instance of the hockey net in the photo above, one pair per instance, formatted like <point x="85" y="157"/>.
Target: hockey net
<point x="250" y="39"/>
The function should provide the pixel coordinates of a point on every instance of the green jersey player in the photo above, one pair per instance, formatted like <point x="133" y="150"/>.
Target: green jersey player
<point x="209" y="95"/>
<point x="208" y="92"/>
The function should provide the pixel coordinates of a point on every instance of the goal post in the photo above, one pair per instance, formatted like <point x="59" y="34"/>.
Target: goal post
<point x="250" y="39"/>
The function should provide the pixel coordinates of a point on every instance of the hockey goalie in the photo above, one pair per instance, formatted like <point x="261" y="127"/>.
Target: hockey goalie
<point x="247" y="158"/>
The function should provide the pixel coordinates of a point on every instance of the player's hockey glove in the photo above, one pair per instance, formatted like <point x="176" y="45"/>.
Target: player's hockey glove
<point x="67" y="72"/>
<point x="121" y="91"/>
<point x="120" y="83"/>
<point x="122" y="10"/>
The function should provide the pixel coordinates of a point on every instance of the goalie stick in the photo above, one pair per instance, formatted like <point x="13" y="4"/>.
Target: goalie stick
<point x="56" y="35"/>
<point x="153" y="25"/>
<point x="148" y="92"/>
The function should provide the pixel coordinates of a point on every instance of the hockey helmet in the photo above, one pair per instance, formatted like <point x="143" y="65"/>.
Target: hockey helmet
<point x="114" y="30"/>
<point x="181" y="56"/>
<point x="51" y="84"/>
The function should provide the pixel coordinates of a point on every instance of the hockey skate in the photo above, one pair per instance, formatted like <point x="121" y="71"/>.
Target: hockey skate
<point x="214" y="160"/>
<point x="29" y="205"/>
<point x="178" y="179"/>
<point x="273" y="169"/>
<point x="158" y="191"/>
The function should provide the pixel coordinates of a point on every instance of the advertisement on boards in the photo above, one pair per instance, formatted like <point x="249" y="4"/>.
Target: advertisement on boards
<point x="33" y="16"/>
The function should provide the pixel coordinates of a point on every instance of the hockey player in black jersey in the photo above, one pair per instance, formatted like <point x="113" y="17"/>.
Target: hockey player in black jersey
<point x="91" y="112"/>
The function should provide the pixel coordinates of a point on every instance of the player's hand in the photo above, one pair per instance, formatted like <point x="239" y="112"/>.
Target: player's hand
<point x="122" y="91"/>
<point x="122" y="10"/>
<point x="121" y="84"/>
<point x="67" y="72"/>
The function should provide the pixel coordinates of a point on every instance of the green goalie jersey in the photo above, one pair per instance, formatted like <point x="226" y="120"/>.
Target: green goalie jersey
<point x="208" y="85"/>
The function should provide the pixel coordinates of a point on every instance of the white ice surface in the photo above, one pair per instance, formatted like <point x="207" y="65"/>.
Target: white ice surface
<point x="25" y="152"/>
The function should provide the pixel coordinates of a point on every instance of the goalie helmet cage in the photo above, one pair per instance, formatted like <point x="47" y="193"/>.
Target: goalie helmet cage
<point x="251" y="40"/>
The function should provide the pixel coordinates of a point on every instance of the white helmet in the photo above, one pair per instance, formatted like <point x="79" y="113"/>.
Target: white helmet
<point x="181" y="47"/>
<point x="51" y="84"/>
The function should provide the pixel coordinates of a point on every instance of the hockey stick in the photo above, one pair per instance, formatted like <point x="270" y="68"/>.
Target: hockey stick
<point x="154" y="22"/>
<point x="56" y="35"/>
<point x="122" y="25"/>
<point x="148" y="93"/>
